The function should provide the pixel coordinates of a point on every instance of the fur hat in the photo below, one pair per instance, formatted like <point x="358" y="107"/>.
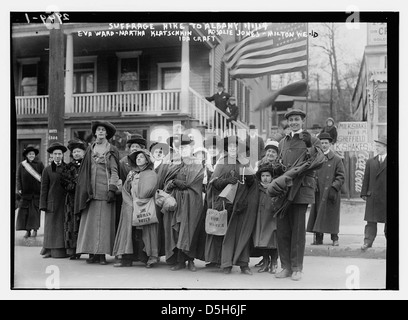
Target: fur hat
<point x="76" y="144"/>
<point x="136" y="138"/>
<point x="272" y="145"/>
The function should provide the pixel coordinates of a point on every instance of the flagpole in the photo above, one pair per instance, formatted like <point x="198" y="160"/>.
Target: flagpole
<point x="307" y="67"/>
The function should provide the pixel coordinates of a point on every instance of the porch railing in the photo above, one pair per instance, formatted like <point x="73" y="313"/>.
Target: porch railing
<point x="160" y="101"/>
<point x="214" y="119"/>
<point x="32" y="105"/>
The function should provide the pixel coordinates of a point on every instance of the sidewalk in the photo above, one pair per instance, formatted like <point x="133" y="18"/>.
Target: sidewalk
<point x="351" y="236"/>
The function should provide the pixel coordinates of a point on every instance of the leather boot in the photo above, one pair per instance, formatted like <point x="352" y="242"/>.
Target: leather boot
<point x="93" y="258"/>
<point x="27" y="234"/>
<point x="102" y="260"/>
<point x="265" y="265"/>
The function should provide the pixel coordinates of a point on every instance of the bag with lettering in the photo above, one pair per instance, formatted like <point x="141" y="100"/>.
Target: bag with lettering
<point x="144" y="212"/>
<point x="216" y="222"/>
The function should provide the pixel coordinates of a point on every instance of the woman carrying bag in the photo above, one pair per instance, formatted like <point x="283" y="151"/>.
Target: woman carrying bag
<point x="136" y="242"/>
<point x="234" y="247"/>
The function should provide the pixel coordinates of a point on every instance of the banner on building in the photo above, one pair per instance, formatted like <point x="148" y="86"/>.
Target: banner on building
<point x="353" y="136"/>
<point x="377" y="33"/>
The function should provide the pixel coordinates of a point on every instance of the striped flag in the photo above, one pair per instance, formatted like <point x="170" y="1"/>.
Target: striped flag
<point x="281" y="48"/>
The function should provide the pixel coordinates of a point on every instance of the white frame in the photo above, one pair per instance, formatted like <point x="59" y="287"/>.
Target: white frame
<point x="128" y="55"/>
<point x="87" y="59"/>
<point x="25" y="61"/>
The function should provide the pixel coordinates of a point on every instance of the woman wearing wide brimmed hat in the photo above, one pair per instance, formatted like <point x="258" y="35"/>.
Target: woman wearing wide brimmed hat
<point x="69" y="179"/>
<point x="138" y="243"/>
<point x="52" y="203"/>
<point x="233" y="248"/>
<point x="28" y="187"/>
<point x="184" y="181"/>
<point x="159" y="151"/>
<point x="95" y="196"/>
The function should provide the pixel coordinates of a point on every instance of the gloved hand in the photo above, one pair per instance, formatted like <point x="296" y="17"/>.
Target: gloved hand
<point x="111" y="196"/>
<point x="180" y="184"/>
<point x="307" y="138"/>
<point x="232" y="180"/>
<point x="249" y="180"/>
<point x="332" y="194"/>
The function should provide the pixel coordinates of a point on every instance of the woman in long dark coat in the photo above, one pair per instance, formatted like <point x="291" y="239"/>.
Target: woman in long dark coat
<point x="184" y="181"/>
<point x="52" y="202"/>
<point x="95" y="195"/>
<point x="28" y="187"/>
<point x="69" y="181"/>
<point x="134" y="243"/>
<point x="234" y="247"/>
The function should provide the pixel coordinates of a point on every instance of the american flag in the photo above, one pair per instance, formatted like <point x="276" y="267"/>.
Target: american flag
<point x="281" y="48"/>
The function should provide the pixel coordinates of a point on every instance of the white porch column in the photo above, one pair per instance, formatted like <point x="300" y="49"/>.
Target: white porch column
<point x="69" y="74"/>
<point x="185" y="74"/>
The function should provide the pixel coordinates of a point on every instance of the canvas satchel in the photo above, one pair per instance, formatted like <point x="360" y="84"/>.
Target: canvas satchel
<point x="144" y="212"/>
<point x="216" y="222"/>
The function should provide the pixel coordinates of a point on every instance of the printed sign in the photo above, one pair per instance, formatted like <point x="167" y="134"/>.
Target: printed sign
<point x="353" y="136"/>
<point x="377" y="34"/>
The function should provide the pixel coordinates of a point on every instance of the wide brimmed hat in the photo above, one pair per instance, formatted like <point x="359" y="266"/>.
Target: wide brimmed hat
<point x="136" y="138"/>
<point x="242" y="146"/>
<point x="134" y="155"/>
<point x="272" y="145"/>
<point x="30" y="148"/>
<point x="56" y="146"/>
<point x="264" y="168"/>
<point x="382" y="140"/>
<point x="159" y="145"/>
<point x="295" y="112"/>
<point x="110" y="128"/>
<point x="325" y="136"/>
<point x="76" y="144"/>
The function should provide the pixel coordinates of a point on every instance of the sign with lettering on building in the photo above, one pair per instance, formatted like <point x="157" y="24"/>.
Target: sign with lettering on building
<point x="353" y="136"/>
<point x="377" y="33"/>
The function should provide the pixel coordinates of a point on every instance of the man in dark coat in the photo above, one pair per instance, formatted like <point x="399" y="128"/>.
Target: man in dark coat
<point x="28" y="188"/>
<point x="52" y="202"/>
<point x="220" y="98"/>
<point x="325" y="213"/>
<point x="256" y="146"/>
<point x="232" y="110"/>
<point x="374" y="192"/>
<point x="298" y="145"/>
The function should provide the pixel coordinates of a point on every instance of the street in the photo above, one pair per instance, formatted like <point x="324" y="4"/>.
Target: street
<point x="31" y="271"/>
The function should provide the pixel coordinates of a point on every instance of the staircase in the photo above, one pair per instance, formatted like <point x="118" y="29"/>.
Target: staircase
<point x="208" y="115"/>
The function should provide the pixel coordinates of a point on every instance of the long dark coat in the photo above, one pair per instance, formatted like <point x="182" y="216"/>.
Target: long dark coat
<point x="52" y="201"/>
<point x="69" y="180"/>
<point x="28" y="217"/>
<point x="325" y="214"/>
<point x="234" y="247"/>
<point x="375" y="189"/>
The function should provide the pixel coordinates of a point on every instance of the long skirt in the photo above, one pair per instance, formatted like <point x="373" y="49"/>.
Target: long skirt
<point x="28" y="217"/>
<point x="97" y="228"/>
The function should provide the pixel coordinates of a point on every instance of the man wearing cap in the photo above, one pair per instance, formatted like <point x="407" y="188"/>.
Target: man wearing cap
<point x="52" y="203"/>
<point x="28" y="187"/>
<point x="374" y="192"/>
<point x="325" y="213"/>
<point x="297" y="146"/>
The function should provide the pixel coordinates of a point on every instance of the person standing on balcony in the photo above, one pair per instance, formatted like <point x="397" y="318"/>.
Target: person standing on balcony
<point x="52" y="203"/>
<point x="232" y="110"/>
<point x="95" y="194"/>
<point x="220" y="99"/>
<point x="374" y="192"/>
<point x="325" y="213"/>
<point x="69" y="179"/>
<point x="28" y="188"/>
<point x="183" y="179"/>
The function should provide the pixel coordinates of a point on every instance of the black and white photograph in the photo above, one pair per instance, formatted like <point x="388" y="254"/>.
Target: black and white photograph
<point x="204" y="151"/>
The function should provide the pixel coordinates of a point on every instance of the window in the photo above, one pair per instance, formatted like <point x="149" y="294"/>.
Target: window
<point x="28" y="76"/>
<point x="171" y="78"/>
<point x="128" y="71"/>
<point x="84" y="74"/>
